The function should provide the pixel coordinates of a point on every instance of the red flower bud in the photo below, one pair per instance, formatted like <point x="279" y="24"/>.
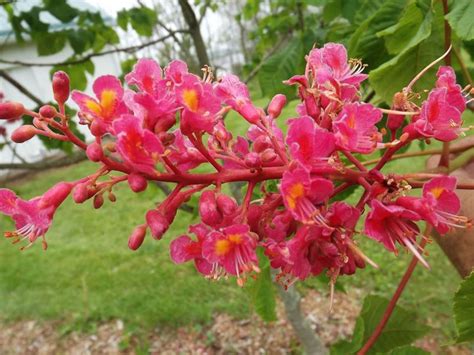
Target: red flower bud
<point x="23" y="133"/>
<point x="137" y="237"/>
<point x="57" y="194"/>
<point x="208" y="208"/>
<point x="394" y="122"/>
<point x="11" y="110"/>
<point x="97" y="128"/>
<point x="158" y="223"/>
<point x="82" y="192"/>
<point x="276" y="105"/>
<point x="112" y="197"/>
<point x="226" y="204"/>
<point x="166" y="138"/>
<point x="137" y="183"/>
<point x="61" y="87"/>
<point x="98" y="201"/>
<point x="252" y="160"/>
<point x="48" y="111"/>
<point x="268" y="155"/>
<point x="94" y="152"/>
<point x="261" y="143"/>
<point x="250" y="113"/>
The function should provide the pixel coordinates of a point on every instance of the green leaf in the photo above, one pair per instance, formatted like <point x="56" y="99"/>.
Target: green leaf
<point x="344" y="195"/>
<point x="50" y="43"/>
<point x="402" y="328"/>
<point x="122" y="19"/>
<point x="143" y="19"/>
<point x="262" y="291"/>
<point x="61" y="10"/>
<point x="80" y="40"/>
<point x="343" y="8"/>
<point x="281" y="66"/>
<point x="463" y="309"/>
<point x="461" y="18"/>
<point x="395" y="74"/>
<point x="413" y="27"/>
<point x="345" y="347"/>
<point x="365" y="43"/>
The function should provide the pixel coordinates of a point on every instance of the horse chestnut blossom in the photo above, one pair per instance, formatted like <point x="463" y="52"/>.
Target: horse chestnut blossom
<point x="165" y="122"/>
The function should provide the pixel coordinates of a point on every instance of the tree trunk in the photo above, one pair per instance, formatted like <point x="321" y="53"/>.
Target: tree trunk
<point x="195" y="32"/>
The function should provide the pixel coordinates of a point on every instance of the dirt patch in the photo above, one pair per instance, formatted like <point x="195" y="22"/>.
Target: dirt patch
<point x="225" y="335"/>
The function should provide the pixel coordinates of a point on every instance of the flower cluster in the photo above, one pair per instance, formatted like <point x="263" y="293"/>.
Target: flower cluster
<point x="167" y="122"/>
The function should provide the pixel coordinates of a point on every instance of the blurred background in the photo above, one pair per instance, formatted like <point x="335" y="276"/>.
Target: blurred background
<point x="88" y="292"/>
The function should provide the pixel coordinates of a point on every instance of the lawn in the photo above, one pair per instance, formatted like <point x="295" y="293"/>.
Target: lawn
<point x="88" y="273"/>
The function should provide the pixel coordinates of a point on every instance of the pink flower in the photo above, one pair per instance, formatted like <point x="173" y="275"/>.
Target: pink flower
<point x="183" y="154"/>
<point x="33" y="217"/>
<point x="200" y="105"/>
<point x="439" y="204"/>
<point x="390" y="224"/>
<point x="308" y="143"/>
<point x="236" y="94"/>
<point x="233" y="248"/>
<point x="183" y="249"/>
<point x="438" y="117"/>
<point x="145" y="75"/>
<point x="447" y="79"/>
<point x="355" y="130"/>
<point x="139" y="148"/>
<point x="301" y="193"/>
<point x="175" y="71"/>
<point x="109" y="104"/>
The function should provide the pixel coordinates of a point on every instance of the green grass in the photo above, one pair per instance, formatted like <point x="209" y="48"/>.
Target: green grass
<point x="88" y="273"/>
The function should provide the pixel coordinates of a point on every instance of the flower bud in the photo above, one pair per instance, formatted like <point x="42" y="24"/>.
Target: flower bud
<point x="166" y="138"/>
<point x="252" y="160"/>
<point x="137" y="237"/>
<point x="57" y="194"/>
<point x="98" y="201"/>
<point x="394" y="122"/>
<point x="226" y="204"/>
<point x="158" y="223"/>
<point x="208" y="208"/>
<point x="94" y="152"/>
<point x="11" y="110"/>
<point x="261" y="143"/>
<point x="61" y="87"/>
<point x="23" y="133"/>
<point x="268" y="155"/>
<point x="82" y="192"/>
<point x="48" y="111"/>
<point x="137" y="183"/>
<point x="112" y="197"/>
<point x="97" y="128"/>
<point x="250" y="113"/>
<point x="276" y="105"/>
<point x="164" y="123"/>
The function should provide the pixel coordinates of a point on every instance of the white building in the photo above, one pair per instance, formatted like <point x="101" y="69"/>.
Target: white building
<point x="37" y="79"/>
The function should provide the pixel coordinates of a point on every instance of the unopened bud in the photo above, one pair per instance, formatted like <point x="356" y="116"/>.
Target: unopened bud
<point x="61" y="87"/>
<point x="137" y="183"/>
<point x="11" y="110"/>
<point x="166" y="138"/>
<point x="261" y="143"/>
<point x="137" y="237"/>
<point x="276" y="105"/>
<point x="208" y="208"/>
<point x="81" y="193"/>
<point x="97" y="128"/>
<point x="158" y="223"/>
<point x="48" y="111"/>
<point x="57" y="194"/>
<point x="268" y="155"/>
<point x="250" y="113"/>
<point x="112" y="197"/>
<point x="23" y="133"/>
<point x="394" y="122"/>
<point x="164" y="123"/>
<point x="252" y="160"/>
<point x="98" y="201"/>
<point x="94" y="152"/>
<point x="226" y="204"/>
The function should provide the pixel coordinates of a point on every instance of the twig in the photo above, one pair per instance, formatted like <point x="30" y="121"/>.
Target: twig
<point x="21" y="88"/>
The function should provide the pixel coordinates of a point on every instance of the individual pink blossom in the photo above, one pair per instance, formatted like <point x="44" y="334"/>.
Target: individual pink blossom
<point x="309" y="144"/>
<point x="208" y="210"/>
<point x="200" y="105"/>
<point x="390" y="224"/>
<point x="447" y="79"/>
<point x="301" y="193"/>
<point x="33" y="217"/>
<point x="233" y="248"/>
<point x="355" y="130"/>
<point x="175" y="72"/>
<point x="184" y="249"/>
<point x="183" y="154"/>
<point x="439" y="204"/>
<point x="139" y="148"/>
<point x="108" y="106"/>
<point x="236" y="94"/>
<point x="145" y="75"/>
<point x="438" y="117"/>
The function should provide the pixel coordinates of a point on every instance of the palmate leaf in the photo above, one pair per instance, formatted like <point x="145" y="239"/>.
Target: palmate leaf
<point x="400" y="331"/>
<point x="464" y="310"/>
<point x="461" y="18"/>
<point x="281" y="66"/>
